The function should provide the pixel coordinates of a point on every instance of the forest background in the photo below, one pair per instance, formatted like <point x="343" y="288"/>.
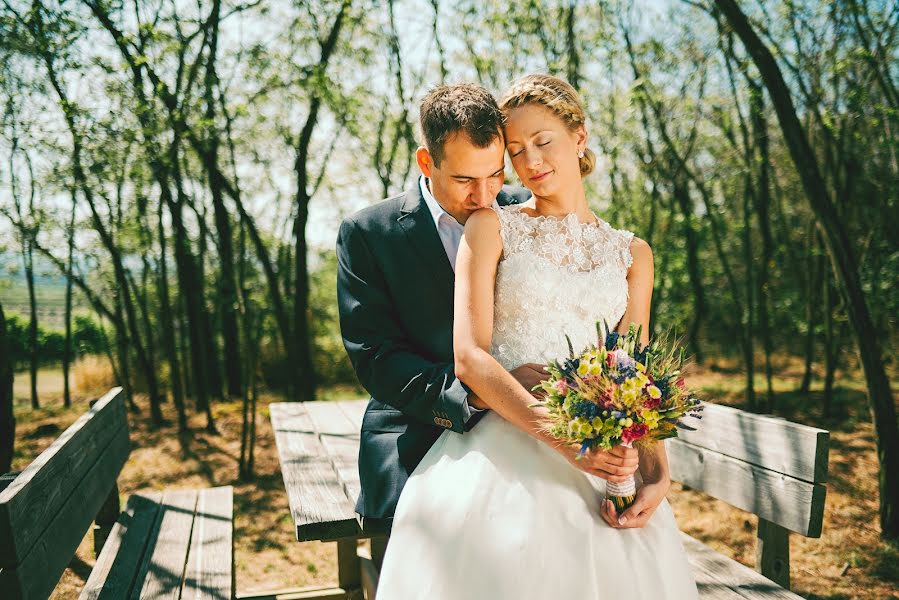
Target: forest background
<point x="172" y="176"/>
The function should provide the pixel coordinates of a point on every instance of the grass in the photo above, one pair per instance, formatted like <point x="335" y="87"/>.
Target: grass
<point x="848" y="561"/>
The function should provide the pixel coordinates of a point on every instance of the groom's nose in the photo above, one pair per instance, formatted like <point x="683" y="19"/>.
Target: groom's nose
<point x="482" y="195"/>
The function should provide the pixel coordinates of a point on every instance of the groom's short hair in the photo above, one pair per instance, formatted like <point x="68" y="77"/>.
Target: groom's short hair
<point x="464" y="108"/>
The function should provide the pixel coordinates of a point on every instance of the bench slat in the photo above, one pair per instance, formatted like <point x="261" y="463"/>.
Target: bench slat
<point x="318" y="502"/>
<point x="770" y="442"/>
<point x="35" y="496"/>
<point x="711" y="566"/>
<point x="40" y="569"/>
<point x="791" y="503"/>
<point x="115" y="571"/>
<point x="209" y="573"/>
<point x="340" y="437"/>
<point x="162" y="571"/>
<point x="354" y="410"/>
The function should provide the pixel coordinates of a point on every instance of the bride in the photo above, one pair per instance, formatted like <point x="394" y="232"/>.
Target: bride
<point x="504" y="511"/>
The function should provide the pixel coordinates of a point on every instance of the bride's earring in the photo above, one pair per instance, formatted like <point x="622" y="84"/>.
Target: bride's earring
<point x="580" y="154"/>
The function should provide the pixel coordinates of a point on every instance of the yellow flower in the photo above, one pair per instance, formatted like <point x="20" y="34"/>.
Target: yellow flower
<point x="651" y="418"/>
<point x="583" y="368"/>
<point x="641" y="367"/>
<point x="597" y="423"/>
<point x="595" y="369"/>
<point x="654" y="392"/>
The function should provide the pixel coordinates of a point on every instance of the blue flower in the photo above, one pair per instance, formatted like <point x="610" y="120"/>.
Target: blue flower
<point x="585" y="409"/>
<point x="611" y="340"/>
<point x="569" y="367"/>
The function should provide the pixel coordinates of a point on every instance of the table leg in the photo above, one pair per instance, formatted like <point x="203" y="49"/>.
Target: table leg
<point x="349" y="574"/>
<point x="378" y="548"/>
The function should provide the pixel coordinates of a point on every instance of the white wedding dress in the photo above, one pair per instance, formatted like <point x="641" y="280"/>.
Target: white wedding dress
<point x="493" y="513"/>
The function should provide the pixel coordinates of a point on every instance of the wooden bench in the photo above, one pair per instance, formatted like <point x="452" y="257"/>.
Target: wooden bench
<point x="767" y="466"/>
<point x="171" y="544"/>
<point x="770" y="467"/>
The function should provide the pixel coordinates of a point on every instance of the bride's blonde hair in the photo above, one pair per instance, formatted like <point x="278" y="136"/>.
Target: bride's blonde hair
<point x="558" y="96"/>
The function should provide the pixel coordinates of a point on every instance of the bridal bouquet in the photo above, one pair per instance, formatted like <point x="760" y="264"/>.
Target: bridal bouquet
<point x="617" y="392"/>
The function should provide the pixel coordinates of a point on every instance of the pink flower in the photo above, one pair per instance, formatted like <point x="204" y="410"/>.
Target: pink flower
<point x="562" y="387"/>
<point x="634" y="432"/>
<point x="680" y="383"/>
<point x="653" y="403"/>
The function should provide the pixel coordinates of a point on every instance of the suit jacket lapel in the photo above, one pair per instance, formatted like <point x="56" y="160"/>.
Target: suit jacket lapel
<point x="416" y="221"/>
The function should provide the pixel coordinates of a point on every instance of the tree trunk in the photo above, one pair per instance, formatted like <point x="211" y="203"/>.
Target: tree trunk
<point x="749" y="335"/>
<point x="167" y="323"/>
<point x="7" y="415"/>
<point x="812" y="288"/>
<point x="67" y="352"/>
<point x="28" y="259"/>
<point x="574" y="60"/>
<point x="302" y="342"/>
<point x="845" y="266"/>
<point x="227" y="294"/>
<point x="830" y="348"/>
<point x="106" y="237"/>
<point x="121" y="340"/>
<point x="302" y="333"/>
<point x="691" y="240"/>
<point x="763" y="211"/>
<point x="191" y="291"/>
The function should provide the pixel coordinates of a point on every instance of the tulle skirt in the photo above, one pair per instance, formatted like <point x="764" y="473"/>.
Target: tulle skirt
<point x="494" y="513"/>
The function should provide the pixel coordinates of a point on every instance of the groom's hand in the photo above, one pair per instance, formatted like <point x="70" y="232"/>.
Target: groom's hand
<point x="649" y="497"/>
<point x="530" y="375"/>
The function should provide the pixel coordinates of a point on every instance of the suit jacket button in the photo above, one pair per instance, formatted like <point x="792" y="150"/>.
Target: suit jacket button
<point x="437" y="420"/>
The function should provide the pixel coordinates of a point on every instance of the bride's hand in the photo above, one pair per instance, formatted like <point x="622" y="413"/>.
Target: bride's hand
<point x="615" y="465"/>
<point x="648" y="499"/>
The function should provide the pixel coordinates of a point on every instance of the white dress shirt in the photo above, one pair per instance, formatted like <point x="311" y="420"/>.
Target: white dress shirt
<point x="448" y="228"/>
<point x="450" y="232"/>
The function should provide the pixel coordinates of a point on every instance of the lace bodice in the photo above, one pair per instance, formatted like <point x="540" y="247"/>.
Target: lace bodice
<point x="556" y="276"/>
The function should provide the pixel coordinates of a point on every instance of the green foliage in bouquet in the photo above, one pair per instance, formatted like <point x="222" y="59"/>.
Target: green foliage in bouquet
<point x="618" y="392"/>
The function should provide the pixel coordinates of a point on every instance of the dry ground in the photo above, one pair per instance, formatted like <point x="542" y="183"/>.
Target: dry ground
<point x="848" y="561"/>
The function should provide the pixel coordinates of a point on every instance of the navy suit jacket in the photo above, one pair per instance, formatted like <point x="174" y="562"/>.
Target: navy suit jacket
<point x="395" y="296"/>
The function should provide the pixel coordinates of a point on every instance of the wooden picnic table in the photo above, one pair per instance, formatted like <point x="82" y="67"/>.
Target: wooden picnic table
<point x="765" y="465"/>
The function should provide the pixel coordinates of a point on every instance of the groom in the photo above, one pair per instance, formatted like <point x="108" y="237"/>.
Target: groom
<point x="395" y="280"/>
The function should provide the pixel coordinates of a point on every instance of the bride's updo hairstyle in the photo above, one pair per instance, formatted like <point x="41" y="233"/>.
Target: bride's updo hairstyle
<point x="558" y="96"/>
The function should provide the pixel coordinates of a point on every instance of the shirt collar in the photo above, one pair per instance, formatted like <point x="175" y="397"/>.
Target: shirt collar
<point x="433" y="206"/>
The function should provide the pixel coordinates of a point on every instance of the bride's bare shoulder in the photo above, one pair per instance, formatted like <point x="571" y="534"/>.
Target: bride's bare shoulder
<point x="641" y="252"/>
<point x="483" y="222"/>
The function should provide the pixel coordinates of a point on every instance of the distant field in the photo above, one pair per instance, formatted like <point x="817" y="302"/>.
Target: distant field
<point x="51" y="300"/>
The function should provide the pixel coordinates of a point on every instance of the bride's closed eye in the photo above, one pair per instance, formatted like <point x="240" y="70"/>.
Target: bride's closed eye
<point x="516" y="153"/>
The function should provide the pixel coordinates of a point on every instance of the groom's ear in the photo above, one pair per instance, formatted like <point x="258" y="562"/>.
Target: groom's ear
<point x="425" y="161"/>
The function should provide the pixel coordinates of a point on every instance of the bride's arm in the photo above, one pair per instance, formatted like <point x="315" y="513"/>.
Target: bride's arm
<point x="476" y="264"/>
<point x="654" y="459"/>
<point x="640" y="277"/>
